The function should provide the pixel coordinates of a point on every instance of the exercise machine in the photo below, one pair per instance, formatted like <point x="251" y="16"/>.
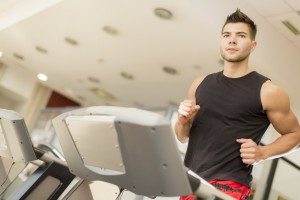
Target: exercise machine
<point x="131" y="148"/>
<point x="27" y="172"/>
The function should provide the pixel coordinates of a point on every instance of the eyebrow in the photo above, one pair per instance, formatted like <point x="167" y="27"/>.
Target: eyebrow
<point x="236" y="33"/>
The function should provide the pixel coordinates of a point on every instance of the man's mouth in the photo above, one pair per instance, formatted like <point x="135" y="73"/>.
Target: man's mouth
<point x="231" y="49"/>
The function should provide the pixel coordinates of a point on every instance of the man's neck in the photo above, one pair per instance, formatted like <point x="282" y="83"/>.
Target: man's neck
<point x="236" y="70"/>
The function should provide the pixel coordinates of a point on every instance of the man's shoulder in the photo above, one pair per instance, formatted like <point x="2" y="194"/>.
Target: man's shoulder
<point x="273" y="95"/>
<point x="271" y="89"/>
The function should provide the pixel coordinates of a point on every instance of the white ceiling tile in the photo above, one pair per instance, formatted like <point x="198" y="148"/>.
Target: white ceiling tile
<point x="293" y="18"/>
<point x="145" y="44"/>
<point x="4" y="5"/>
<point x="270" y="7"/>
<point x="295" y="4"/>
<point x="14" y="11"/>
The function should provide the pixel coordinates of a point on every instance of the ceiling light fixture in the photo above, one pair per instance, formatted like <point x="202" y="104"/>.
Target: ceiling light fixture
<point x="18" y="56"/>
<point x="1" y="54"/>
<point x="93" y="79"/>
<point x="42" y="77"/>
<point x="100" y="60"/>
<point x="110" y="30"/>
<point x="41" y="49"/>
<point x="170" y="70"/>
<point x="163" y="13"/>
<point x="127" y="75"/>
<point x="197" y="67"/>
<point x="103" y="94"/>
<point x="71" y="41"/>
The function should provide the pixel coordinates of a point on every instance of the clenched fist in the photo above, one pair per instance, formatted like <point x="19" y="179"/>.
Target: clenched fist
<point x="187" y="111"/>
<point x="250" y="151"/>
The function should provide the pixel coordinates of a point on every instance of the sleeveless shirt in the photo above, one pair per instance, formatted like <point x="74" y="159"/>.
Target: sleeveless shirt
<point x="230" y="108"/>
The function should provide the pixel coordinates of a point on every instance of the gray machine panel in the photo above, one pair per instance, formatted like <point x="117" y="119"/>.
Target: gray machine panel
<point x="99" y="131"/>
<point x="14" y="138"/>
<point x="16" y="149"/>
<point x="151" y="161"/>
<point x="4" y="150"/>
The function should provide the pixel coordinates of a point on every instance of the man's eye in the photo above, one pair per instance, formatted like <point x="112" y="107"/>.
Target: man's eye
<point x="242" y="36"/>
<point x="225" y="36"/>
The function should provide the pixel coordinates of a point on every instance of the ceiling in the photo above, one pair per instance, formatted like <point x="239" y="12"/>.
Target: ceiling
<point x="67" y="41"/>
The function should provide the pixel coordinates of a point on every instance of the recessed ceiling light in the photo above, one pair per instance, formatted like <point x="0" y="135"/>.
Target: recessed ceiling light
<point x="110" y="30"/>
<point x="197" y="67"/>
<point x="103" y="94"/>
<point x="93" y="79"/>
<point x="42" y="77"/>
<point x="127" y="75"/>
<point x="41" y="49"/>
<point x="1" y="54"/>
<point x="18" y="56"/>
<point x="100" y="60"/>
<point x="163" y="13"/>
<point x="71" y="41"/>
<point x="170" y="70"/>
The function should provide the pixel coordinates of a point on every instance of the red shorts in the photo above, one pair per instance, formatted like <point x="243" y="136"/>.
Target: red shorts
<point x="232" y="188"/>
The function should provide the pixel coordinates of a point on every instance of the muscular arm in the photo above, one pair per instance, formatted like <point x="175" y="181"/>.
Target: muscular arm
<point x="187" y="112"/>
<point x="277" y="105"/>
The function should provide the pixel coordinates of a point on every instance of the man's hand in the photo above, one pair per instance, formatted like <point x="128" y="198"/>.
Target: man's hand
<point x="250" y="151"/>
<point x="187" y="111"/>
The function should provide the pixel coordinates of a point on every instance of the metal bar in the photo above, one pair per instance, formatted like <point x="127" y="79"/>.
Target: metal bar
<point x="291" y="163"/>
<point x="270" y="179"/>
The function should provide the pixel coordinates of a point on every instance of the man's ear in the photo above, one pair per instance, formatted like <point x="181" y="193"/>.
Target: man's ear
<point x="253" y="45"/>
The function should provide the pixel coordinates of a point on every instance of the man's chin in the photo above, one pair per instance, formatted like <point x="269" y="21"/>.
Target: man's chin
<point x="234" y="60"/>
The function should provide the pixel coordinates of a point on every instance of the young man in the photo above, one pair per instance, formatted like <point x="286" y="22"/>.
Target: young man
<point x="227" y="113"/>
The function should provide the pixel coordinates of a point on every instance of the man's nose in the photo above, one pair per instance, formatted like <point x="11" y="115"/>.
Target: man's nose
<point x="232" y="40"/>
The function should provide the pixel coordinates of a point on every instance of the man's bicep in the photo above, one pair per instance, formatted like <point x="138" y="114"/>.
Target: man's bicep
<point x="283" y="121"/>
<point x="277" y="104"/>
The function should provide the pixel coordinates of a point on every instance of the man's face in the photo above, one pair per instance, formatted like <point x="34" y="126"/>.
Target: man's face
<point x="236" y="43"/>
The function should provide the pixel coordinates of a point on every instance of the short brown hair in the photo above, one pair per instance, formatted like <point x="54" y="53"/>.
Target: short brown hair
<point x="239" y="16"/>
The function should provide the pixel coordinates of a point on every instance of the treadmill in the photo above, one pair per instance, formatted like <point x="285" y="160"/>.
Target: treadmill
<point x="27" y="172"/>
<point x="128" y="147"/>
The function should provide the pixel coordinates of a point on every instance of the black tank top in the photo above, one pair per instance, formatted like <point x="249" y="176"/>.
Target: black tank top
<point x="230" y="108"/>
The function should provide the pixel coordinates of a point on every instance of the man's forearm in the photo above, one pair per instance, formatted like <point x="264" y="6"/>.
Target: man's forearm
<point x="282" y="145"/>
<point x="182" y="131"/>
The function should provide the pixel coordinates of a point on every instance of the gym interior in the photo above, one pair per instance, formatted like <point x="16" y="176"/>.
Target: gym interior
<point x="89" y="95"/>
